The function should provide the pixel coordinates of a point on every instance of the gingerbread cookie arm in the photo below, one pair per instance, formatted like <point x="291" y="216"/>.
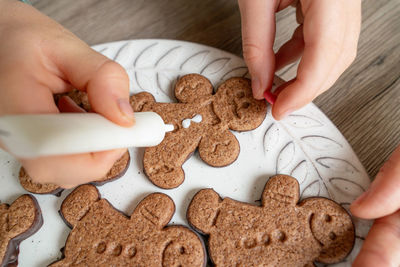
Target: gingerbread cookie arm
<point x="331" y="226"/>
<point x="141" y="101"/>
<point x="78" y="203"/>
<point x="156" y="209"/>
<point x="203" y="210"/>
<point x="18" y="221"/>
<point x="281" y="189"/>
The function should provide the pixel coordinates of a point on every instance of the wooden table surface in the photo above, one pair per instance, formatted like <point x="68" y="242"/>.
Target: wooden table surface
<point x="364" y="103"/>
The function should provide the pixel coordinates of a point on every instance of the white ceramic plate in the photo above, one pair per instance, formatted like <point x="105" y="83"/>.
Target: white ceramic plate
<point x="305" y="144"/>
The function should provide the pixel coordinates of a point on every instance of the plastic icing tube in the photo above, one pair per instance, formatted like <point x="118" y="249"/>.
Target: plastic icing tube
<point x="28" y="136"/>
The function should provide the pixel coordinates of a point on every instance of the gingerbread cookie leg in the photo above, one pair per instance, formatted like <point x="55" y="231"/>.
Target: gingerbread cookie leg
<point x="219" y="149"/>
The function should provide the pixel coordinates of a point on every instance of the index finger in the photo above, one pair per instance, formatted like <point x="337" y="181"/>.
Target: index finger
<point x="258" y="34"/>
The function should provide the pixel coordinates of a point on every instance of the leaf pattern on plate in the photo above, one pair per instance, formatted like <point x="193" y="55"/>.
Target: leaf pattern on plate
<point x="193" y="61"/>
<point x="346" y="186"/>
<point x="313" y="189"/>
<point x="336" y="164"/>
<point x="214" y="66"/>
<point x="302" y="121"/>
<point x="300" y="171"/>
<point x="271" y="137"/>
<point x="321" y="142"/>
<point x="236" y="72"/>
<point x="285" y="157"/>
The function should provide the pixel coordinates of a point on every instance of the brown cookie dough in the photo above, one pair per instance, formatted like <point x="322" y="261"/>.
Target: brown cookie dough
<point x="18" y="221"/>
<point x="118" y="170"/>
<point x="232" y="107"/>
<point x="103" y="236"/>
<point x="280" y="232"/>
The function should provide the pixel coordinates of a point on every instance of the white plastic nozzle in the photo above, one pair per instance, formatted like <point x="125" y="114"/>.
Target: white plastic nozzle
<point x="29" y="136"/>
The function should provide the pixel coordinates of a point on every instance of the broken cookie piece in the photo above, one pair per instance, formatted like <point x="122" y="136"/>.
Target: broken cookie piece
<point x="18" y="221"/>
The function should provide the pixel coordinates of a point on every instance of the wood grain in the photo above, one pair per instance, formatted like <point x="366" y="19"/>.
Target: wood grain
<point x="364" y="103"/>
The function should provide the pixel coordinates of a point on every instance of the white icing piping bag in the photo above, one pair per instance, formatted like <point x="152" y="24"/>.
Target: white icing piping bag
<point x="29" y="136"/>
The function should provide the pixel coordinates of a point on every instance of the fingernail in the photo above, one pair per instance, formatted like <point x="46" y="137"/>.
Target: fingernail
<point x="255" y="85"/>
<point x="126" y="109"/>
<point x="270" y="97"/>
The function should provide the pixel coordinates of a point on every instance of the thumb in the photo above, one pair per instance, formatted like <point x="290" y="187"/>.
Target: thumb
<point x="383" y="196"/>
<point x="105" y="81"/>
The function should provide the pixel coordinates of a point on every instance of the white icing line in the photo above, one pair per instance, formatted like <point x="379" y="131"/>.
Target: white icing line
<point x="186" y="122"/>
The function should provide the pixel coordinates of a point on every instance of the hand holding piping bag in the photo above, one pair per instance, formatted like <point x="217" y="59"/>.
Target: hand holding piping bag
<point x="40" y="58"/>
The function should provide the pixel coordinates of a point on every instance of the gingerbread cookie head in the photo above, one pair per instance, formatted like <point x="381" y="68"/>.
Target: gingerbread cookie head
<point x="279" y="232"/>
<point x="101" y="235"/>
<point x="201" y="120"/>
<point x="18" y="221"/>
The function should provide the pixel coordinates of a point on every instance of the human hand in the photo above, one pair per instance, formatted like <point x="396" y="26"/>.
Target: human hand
<point x="381" y="202"/>
<point x="40" y="58"/>
<point x="326" y="40"/>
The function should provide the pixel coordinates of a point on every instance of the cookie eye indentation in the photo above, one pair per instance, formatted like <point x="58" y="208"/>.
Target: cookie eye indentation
<point x="182" y="250"/>
<point x="130" y="251"/>
<point x="280" y="236"/>
<point x="101" y="247"/>
<point x="245" y="105"/>
<point x="117" y="250"/>
<point x="332" y="236"/>
<point x="240" y="94"/>
<point x="265" y="239"/>
<point x="327" y="218"/>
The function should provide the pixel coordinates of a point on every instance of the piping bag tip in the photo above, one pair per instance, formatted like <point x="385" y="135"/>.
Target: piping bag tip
<point x="169" y="128"/>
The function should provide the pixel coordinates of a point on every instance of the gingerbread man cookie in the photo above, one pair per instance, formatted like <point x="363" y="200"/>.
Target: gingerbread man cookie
<point x="201" y="119"/>
<point x="280" y="232"/>
<point x="18" y="221"/>
<point x="103" y="236"/>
